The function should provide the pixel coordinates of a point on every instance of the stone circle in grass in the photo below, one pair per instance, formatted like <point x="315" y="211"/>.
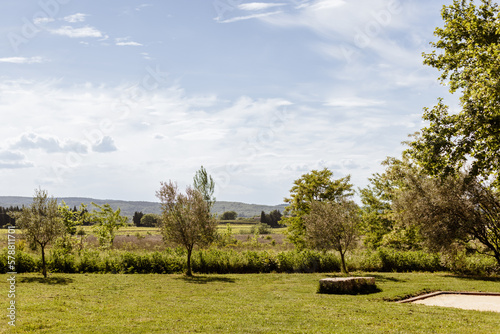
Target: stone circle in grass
<point x="347" y="285"/>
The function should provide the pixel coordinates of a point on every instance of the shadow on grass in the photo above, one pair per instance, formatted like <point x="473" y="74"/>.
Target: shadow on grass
<point x="383" y="278"/>
<point x="361" y="292"/>
<point x="206" y="279"/>
<point x="474" y="278"/>
<point x="48" y="280"/>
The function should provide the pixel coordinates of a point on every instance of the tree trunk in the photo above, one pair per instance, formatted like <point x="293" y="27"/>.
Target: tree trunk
<point x="189" y="273"/>
<point x="44" y="266"/>
<point x="344" y="267"/>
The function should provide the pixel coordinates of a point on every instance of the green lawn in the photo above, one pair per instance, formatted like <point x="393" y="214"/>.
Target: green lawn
<point x="259" y="303"/>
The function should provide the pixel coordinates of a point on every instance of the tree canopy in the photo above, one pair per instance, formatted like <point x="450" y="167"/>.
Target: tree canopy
<point x="205" y="184"/>
<point x="41" y="223"/>
<point x="186" y="218"/>
<point x="333" y="225"/>
<point x="467" y="53"/>
<point x="317" y="185"/>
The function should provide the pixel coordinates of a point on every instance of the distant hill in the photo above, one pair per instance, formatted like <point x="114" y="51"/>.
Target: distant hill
<point x="129" y="207"/>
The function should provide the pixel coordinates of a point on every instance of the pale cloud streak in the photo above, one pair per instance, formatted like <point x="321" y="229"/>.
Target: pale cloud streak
<point x="78" y="17"/>
<point x="21" y="60"/>
<point x="252" y="6"/>
<point x="83" y="32"/>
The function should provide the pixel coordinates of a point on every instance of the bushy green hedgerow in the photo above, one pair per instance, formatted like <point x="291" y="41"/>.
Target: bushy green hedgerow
<point x="224" y="261"/>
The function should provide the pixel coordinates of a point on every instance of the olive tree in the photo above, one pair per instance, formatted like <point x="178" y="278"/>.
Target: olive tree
<point x="333" y="225"/>
<point x="313" y="186"/>
<point x="41" y="223"/>
<point x="186" y="218"/>
<point x="456" y="208"/>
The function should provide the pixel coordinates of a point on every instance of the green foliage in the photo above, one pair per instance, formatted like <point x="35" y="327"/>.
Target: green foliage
<point x="226" y="261"/>
<point x="150" y="220"/>
<point x="106" y="223"/>
<point x="376" y="210"/>
<point x="272" y="219"/>
<point x="333" y="225"/>
<point x="448" y="210"/>
<point x="186" y="218"/>
<point x="313" y="186"/>
<point x="205" y="184"/>
<point x="467" y="52"/>
<point x="226" y="238"/>
<point x="136" y="219"/>
<point x="229" y="215"/>
<point x="260" y="229"/>
<point x="41" y="223"/>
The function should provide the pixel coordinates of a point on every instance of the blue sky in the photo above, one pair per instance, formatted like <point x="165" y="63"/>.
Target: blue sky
<point x="105" y="99"/>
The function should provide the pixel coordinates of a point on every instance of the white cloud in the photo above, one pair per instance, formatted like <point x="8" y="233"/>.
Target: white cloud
<point x="78" y="17"/>
<point x="77" y="32"/>
<point x="43" y="20"/>
<point x="21" y="60"/>
<point x="125" y="41"/>
<point x="247" y="17"/>
<point x="13" y="160"/>
<point x="352" y="102"/>
<point x="130" y="43"/>
<point x="105" y="145"/>
<point x="141" y="7"/>
<point x="49" y="144"/>
<point x="252" y="6"/>
<point x="146" y="56"/>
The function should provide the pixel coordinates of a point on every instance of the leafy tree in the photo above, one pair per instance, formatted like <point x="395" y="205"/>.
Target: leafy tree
<point x="376" y="210"/>
<point x="136" y="219"/>
<point x="186" y="218"/>
<point x="313" y="186"/>
<point x="7" y="217"/>
<point x="229" y="215"/>
<point x="272" y="219"/>
<point x="333" y="225"/>
<point x="71" y="218"/>
<point x="106" y="223"/>
<point x="205" y="184"/>
<point x="150" y="220"/>
<point x="468" y="54"/>
<point x="41" y="223"/>
<point x="456" y="208"/>
<point x="275" y="218"/>
<point x="264" y="219"/>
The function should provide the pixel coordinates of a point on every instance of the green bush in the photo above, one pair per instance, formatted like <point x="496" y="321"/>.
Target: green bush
<point x="260" y="228"/>
<point x="224" y="261"/>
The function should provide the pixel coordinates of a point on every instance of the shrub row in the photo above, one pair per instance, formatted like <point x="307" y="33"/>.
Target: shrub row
<point x="231" y="261"/>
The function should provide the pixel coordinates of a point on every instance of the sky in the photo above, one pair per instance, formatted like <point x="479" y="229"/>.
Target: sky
<point x="106" y="99"/>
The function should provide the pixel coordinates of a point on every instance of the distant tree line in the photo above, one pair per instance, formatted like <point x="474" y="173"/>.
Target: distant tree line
<point x="5" y="218"/>
<point x="146" y="220"/>
<point x="272" y="219"/>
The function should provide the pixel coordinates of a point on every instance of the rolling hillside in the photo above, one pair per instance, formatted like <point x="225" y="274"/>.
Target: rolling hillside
<point x="129" y="207"/>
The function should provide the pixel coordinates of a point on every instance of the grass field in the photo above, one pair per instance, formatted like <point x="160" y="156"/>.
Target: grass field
<point x="259" y="303"/>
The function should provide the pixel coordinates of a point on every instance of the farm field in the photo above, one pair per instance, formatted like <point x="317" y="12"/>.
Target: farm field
<point x="252" y="303"/>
